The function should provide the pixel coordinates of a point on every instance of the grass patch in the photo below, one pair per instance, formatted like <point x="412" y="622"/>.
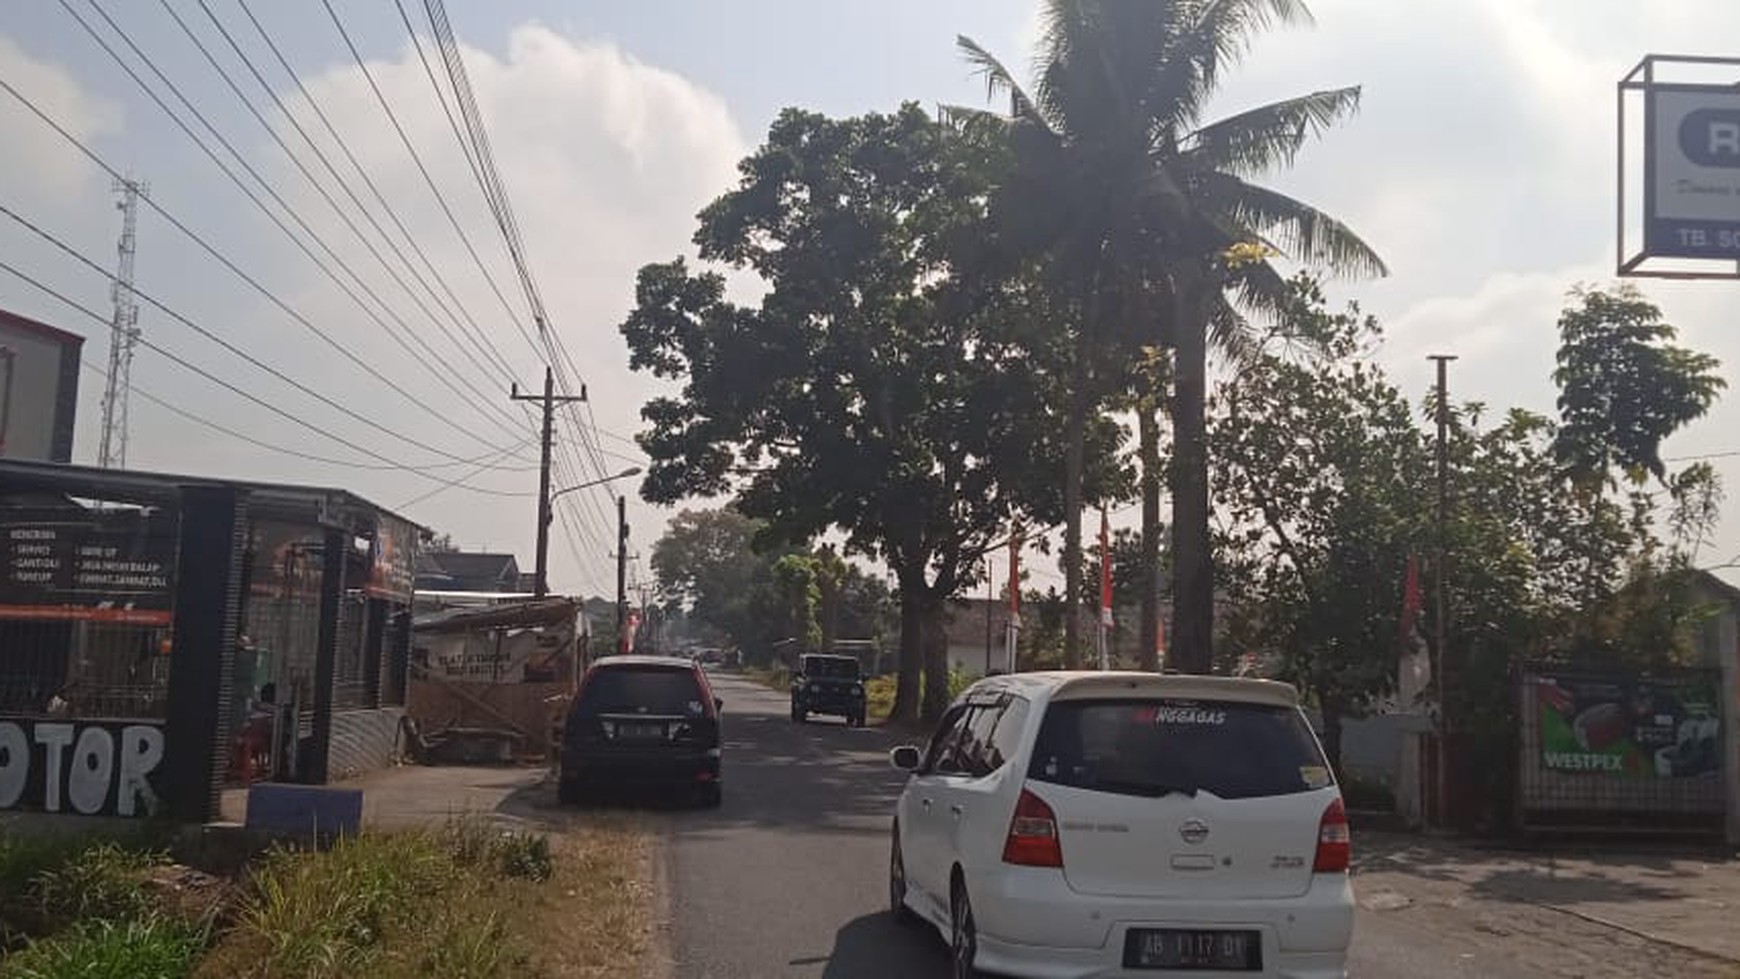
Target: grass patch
<point x="879" y="691"/>
<point x="51" y="881"/>
<point x="772" y="677"/>
<point x="462" y="901"/>
<point x="149" y="947"/>
<point x="596" y="910"/>
<point x="405" y="904"/>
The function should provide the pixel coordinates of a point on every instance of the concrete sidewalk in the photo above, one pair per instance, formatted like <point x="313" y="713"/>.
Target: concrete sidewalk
<point x="425" y="795"/>
<point x="1679" y="900"/>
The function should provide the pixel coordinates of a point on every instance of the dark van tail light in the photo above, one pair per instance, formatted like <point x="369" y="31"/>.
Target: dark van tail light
<point x="1334" y="841"/>
<point x="1032" y="840"/>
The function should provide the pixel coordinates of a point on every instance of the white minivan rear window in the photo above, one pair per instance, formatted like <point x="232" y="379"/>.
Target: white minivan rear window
<point x="1155" y="747"/>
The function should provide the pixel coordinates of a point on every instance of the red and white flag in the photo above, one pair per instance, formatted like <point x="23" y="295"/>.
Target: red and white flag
<point x="1105" y="570"/>
<point x="630" y="627"/>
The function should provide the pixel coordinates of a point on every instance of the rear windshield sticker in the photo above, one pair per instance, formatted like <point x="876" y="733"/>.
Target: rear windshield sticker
<point x="1184" y="715"/>
<point x="695" y="707"/>
<point x="1314" y="776"/>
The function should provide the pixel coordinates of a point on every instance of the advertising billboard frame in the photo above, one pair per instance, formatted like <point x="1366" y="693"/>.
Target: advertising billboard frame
<point x="1655" y="75"/>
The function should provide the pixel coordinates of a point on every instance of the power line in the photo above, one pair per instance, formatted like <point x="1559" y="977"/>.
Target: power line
<point x="199" y="240"/>
<point x="463" y="319"/>
<point x="417" y="158"/>
<point x="202" y="372"/>
<point x="201" y="420"/>
<point x="473" y="138"/>
<point x="482" y="468"/>
<point x="70" y="252"/>
<point x="293" y="213"/>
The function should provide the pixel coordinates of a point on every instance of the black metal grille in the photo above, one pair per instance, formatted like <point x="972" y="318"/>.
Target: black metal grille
<point x="83" y="669"/>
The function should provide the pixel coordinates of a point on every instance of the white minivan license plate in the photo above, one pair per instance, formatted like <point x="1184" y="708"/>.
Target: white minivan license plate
<point x="1177" y="948"/>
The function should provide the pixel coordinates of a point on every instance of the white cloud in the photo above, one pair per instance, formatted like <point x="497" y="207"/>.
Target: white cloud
<point x="39" y="163"/>
<point x="606" y="160"/>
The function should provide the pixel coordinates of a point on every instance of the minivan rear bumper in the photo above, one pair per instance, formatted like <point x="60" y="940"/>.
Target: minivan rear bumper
<point x="1032" y="925"/>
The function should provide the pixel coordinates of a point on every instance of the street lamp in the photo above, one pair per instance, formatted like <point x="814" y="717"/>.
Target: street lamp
<point x="541" y="584"/>
<point x="628" y="473"/>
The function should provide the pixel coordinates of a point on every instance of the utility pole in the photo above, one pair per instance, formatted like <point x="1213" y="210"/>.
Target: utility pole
<point x="621" y="572"/>
<point x="1441" y="623"/>
<point x="549" y="399"/>
<point x="990" y="604"/>
<point x="123" y="334"/>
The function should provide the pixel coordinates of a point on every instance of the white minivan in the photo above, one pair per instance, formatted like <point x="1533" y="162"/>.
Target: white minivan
<point x="1125" y="824"/>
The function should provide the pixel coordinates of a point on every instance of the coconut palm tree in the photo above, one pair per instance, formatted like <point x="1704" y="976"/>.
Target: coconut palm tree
<point x="1151" y="216"/>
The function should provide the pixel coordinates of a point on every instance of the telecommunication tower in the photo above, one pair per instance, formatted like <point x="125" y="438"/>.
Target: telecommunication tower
<point x="123" y="333"/>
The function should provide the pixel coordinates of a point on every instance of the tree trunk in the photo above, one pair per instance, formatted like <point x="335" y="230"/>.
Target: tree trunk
<point x="1148" y="428"/>
<point x="1075" y="454"/>
<point x="910" y="662"/>
<point x="1192" y="562"/>
<point x="936" y="660"/>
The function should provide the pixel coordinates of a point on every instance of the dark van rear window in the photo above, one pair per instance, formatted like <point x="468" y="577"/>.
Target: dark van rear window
<point x="1152" y="747"/>
<point x="832" y="666"/>
<point x="641" y="690"/>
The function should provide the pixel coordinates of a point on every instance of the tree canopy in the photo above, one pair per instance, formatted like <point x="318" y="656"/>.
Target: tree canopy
<point x="881" y="387"/>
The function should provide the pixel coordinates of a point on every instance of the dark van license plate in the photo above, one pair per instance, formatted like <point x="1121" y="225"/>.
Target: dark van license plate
<point x="1176" y="948"/>
<point x="641" y="732"/>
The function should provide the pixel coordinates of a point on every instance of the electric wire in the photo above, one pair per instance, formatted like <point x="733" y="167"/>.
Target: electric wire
<point x="182" y="362"/>
<point x="260" y="443"/>
<point x="440" y="376"/>
<point x="345" y="410"/>
<point x="463" y="319"/>
<point x="228" y="173"/>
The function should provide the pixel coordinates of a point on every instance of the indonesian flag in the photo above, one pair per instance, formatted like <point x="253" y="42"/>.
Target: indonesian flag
<point x="630" y="627"/>
<point x="1159" y="638"/>
<point x="1412" y="599"/>
<point x="1105" y="570"/>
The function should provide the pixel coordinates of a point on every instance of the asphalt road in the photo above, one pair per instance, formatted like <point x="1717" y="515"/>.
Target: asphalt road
<point x="789" y="877"/>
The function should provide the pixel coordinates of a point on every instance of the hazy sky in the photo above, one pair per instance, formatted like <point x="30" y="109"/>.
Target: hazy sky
<point x="1481" y="167"/>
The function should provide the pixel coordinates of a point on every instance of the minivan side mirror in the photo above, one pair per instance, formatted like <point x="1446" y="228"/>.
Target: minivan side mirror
<point x="906" y="758"/>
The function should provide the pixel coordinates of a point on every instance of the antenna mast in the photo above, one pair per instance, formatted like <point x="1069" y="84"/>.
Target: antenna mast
<point x="123" y="333"/>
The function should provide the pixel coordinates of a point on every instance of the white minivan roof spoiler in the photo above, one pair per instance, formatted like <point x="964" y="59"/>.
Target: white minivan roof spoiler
<point x="1088" y="686"/>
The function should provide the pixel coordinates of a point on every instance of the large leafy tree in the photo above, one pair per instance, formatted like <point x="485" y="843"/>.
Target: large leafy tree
<point x="710" y="566"/>
<point x="1321" y="471"/>
<point x="1130" y="194"/>
<point x="883" y="386"/>
<point x="1624" y="386"/>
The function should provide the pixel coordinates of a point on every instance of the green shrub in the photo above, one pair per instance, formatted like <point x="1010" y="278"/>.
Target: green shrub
<point x="525" y="856"/>
<point x="150" y="947"/>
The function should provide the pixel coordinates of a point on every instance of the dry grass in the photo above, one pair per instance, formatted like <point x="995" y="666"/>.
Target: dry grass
<point x="595" y="918"/>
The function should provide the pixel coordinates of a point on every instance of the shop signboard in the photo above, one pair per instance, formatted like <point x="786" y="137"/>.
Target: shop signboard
<point x="88" y="767"/>
<point x="1630" y="727"/>
<point x="393" y="559"/>
<point x="89" y="567"/>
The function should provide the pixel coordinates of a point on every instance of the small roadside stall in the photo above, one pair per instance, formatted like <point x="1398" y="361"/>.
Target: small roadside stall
<point x="164" y="637"/>
<point x="490" y="681"/>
